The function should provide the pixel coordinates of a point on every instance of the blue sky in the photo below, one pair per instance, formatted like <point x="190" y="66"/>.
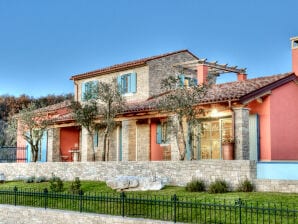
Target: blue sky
<point x="44" y="42"/>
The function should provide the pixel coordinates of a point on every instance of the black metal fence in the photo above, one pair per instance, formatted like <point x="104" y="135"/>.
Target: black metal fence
<point x="13" y="154"/>
<point x="167" y="208"/>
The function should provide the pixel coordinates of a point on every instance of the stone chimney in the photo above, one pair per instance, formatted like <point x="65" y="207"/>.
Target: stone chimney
<point x="294" y="46"/>
<point x="241" y="76"/>
<point x="202" y="74"/>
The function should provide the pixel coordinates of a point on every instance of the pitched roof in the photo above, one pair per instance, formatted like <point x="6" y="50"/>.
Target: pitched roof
<point x="124" y="66"/>
<point x="232" y="91"/>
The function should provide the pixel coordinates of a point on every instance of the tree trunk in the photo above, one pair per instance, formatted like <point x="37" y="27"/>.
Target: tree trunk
<point x="34" y="151"/>
<point x="181" y="141"/>
<point x="104" y="146"/>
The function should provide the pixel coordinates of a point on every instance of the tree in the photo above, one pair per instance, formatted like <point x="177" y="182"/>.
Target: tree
<point x="32" y="124"/>
<point x="181" y="100"/>
<point x="111" y="103"/>
<point x="85" y="115"/>
<point x="103" y="101"/>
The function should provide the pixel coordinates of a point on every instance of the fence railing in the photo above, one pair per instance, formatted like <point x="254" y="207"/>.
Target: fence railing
<point x="167" y="208"/>
<point x="13" y="154"/>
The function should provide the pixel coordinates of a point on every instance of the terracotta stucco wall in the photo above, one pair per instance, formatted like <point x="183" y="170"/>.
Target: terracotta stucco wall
<point x="284" y="122"/>
<point x="263" y="110"/>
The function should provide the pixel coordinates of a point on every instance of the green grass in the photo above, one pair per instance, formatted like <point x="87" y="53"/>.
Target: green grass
<point x="197" y="207"/>
<point x="98" y="187"/>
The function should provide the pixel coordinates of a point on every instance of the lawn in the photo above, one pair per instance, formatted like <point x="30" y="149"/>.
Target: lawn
<point x="100" y="187"/>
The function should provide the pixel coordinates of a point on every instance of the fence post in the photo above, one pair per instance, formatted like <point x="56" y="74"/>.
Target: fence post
<point x="122" y="197"/>
<point x="239" y="204"/>
<point x="45" y="192"/>
<point x="175" y="200"/>
<point x="15" y="189"/>
<point x="81" y="193"/>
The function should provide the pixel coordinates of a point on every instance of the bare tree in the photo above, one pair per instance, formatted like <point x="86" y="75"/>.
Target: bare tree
<point x="32" y="124"/>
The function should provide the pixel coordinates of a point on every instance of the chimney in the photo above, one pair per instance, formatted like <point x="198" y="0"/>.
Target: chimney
<point x="241" y="77"/>
<point x="294" y="45"/>
<point x="202" y="73"/>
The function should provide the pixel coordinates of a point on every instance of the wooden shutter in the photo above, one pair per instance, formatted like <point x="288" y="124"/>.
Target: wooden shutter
<point x="181" y="80"/>
<point x="254" y="137"/>
<point x="133" y="83"/>
<point x="95" y="139"/>
<point x="43" y="148"/>
<point x="158" y="134"/>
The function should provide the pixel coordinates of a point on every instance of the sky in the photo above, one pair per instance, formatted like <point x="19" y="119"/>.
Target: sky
<point x="44" y="42"/>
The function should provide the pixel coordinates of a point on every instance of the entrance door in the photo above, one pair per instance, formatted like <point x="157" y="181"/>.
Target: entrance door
<point x="211" y="135"/>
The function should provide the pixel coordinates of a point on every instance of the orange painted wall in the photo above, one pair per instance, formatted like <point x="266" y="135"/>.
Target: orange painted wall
<point x="278" y="123"/>
<point x="156" y="151"/>
<point x="69" y="136"/>
<point x="284" y="122"/>
<point x="263" y="110"/>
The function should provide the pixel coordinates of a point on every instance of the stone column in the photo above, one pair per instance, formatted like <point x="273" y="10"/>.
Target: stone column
<point x="86" y="146"/>
<point x="129" y="140"/>
<point x="53" y="149"/>
<point x="241" y="120"/>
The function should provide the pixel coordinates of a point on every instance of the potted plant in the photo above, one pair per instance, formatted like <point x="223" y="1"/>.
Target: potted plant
<point x="228" y="147"/>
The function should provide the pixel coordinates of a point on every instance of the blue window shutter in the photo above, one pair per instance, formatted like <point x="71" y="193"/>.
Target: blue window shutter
<point x="43" y="149"/>
<point x="83" y="90"/>
<point x="181" y="80"/>
<point x="28" y="146"/>
<point x="95" y="91"/>
<point x="195" y="81"/>
<point x="133" y="83"/>
<point x="95" y="139"/>
<point x="158" y="134"/>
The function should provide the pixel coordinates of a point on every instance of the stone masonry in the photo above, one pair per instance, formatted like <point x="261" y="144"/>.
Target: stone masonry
<point x="241" y="133"/>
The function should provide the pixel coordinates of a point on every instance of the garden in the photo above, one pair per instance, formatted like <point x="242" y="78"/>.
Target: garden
<point x="195" y="203"/>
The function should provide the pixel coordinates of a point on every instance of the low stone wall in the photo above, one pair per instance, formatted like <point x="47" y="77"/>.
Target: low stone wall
<point x="176" y="172"/>
<point x="19" y="214"/>
<point x="287" y="186"/>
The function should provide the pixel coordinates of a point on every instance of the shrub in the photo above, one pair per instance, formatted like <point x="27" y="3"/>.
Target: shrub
<point x="40" y="179"/>
<point x="219" y="186"/>
<point x="75" y="186"/>
<point x="56" y="184"/>
<point x="195" y="186"/>
<point x="245" y="186"/>
<point x="29" y="179"/>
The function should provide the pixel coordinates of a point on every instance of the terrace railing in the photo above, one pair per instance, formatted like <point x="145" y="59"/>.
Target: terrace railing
<point x="167" y="208"/>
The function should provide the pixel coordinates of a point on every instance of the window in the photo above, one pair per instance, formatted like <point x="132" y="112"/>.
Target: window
<point x="89" y="90"/>
<point x="161" y="133"/>
<point x="187" y="81"/>
<point x="96" y="138"/>
<point x="127" y="83"/>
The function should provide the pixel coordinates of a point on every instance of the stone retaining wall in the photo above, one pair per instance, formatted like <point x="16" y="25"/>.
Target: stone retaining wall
<point x="176" y="172"/>
<point x="19" y="214"/>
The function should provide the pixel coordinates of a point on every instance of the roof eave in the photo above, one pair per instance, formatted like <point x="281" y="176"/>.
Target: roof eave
<point x="259" y="92"/>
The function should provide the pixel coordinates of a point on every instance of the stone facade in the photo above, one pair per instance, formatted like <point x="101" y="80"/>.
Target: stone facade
<point x="241" y="120"/>
<point x="20" y="215"/>
<point x="162" y="68"/>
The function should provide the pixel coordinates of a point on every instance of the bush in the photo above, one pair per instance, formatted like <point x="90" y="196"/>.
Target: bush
<point x="195" y="186"/>
<point x="40" y="179"/>
<point x="56" y="184"/>
<point x="75" y="186"/>
<point x="219" y="186"/>
<point x="29" y="179"/>
<point x="245" y="186"/>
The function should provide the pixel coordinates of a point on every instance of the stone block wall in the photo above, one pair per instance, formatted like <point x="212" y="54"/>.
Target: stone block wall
<point x="163" y="67"/>
<point x="176" y="172"/>
<point x="143" y="142"/>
